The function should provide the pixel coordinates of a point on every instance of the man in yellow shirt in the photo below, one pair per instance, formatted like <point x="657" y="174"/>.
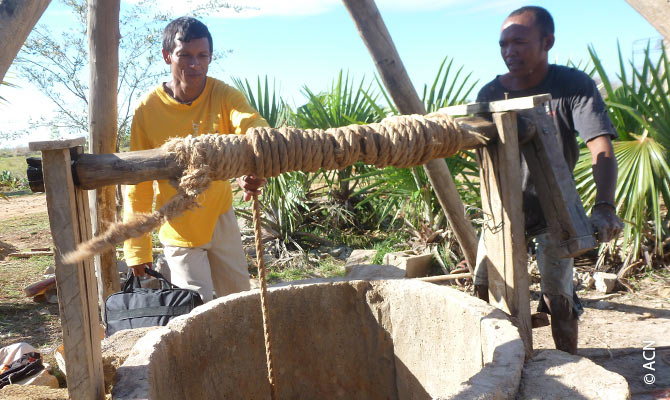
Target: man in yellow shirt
<point x="202" y="247"/>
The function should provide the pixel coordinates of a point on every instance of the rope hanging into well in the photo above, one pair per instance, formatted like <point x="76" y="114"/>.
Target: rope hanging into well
<point x="399" y="141"/>
<point x="269" y="356"/>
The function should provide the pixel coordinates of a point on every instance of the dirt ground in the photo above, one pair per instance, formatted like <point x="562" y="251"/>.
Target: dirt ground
<point x="613" y="330"/>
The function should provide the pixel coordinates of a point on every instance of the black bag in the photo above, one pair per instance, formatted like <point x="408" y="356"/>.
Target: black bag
<point x="137" y="307"/>
<point x="29" y="364"/>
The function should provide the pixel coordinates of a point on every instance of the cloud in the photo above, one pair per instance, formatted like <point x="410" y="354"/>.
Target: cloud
<point x="257" y="8"/>
<point x="497" y="6"/>
<point x="245" y="8"/>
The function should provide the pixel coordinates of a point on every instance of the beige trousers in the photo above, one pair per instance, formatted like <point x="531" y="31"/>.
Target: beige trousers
<point x="219" y="266"/>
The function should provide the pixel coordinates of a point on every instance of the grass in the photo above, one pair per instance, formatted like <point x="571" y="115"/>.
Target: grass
<point x="303" y="267"/>
<point x="14" y="163"/>
<point x="22" y="319"/>
<point x="31" y="225"/>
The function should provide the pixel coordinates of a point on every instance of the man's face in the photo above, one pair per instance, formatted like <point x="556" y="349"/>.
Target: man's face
<point x="522" y="46"/>
<point x="189" y="61"/>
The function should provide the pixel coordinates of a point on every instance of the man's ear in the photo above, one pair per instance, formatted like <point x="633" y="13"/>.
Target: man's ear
<point x="166" y="57"/>
<point x="548" y="42"/>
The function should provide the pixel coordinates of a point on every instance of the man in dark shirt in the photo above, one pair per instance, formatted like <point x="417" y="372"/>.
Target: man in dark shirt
<point x="526" y="37"/>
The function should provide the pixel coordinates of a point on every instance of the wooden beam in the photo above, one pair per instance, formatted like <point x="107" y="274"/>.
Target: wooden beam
<point x="568" y="225"/>
<point x="519" y="103"/>
<point x="103" y="45"/>
<point x="376" y="37"/>
<point x="656" y="12"/>
<point x="77" y="290"/>
<point x="17" y="19"/>
<point x="503" y="232"/>
<point x="130" y="168"/>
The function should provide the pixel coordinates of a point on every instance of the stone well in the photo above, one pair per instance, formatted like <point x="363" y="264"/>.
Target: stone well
<point x="399" y="339"/>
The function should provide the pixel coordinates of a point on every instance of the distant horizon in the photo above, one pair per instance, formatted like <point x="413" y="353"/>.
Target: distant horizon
<point x="306" y="43"/>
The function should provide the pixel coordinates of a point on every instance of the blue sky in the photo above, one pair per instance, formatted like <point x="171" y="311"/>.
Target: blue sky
<point x="305" y="42"/>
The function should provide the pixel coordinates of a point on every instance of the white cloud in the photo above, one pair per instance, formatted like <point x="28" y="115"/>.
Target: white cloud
<point x="247" y="8"/>
<point x="23" y="104"/>
<point x="256" y="8"/>
<point x="500" y="6"/>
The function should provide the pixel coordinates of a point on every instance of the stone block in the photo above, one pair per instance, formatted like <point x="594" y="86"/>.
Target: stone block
<point x="359" y="256"/>
<point x="374" y="272"/>
<point x="553" y="374"/>
<point x="605" y="282"/>
<point x="415" y="265"/>
<point x="115" y="350"/>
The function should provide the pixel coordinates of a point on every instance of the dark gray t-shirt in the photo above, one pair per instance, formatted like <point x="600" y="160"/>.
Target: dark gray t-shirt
<point x="577" y="108"/>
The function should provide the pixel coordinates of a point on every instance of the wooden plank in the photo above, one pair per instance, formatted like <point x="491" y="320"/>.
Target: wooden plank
<point x="376" y="37"/>
<point x="56" y="144"/>
<point x="567" y="222"/>
<point x="17" y="19"/>
<point x="77" y="300"/>
<point x="28" y="254"/>
<point x="519" y="103"/>
<point x="103" y="45"/>
<point x="503" y="232"/>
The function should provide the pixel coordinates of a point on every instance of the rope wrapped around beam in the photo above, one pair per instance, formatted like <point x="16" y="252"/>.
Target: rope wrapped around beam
<point x="399" y="141"/>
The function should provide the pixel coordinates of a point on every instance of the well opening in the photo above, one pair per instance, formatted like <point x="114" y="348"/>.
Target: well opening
<point x="352" y="339"/>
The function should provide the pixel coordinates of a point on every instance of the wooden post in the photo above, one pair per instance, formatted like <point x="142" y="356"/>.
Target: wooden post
<point x="103" y="44"/>
<point x="656" y="12"/>
<point x="77" y="290"/>
<point x="376" y="37"/>
<point x="17" y="19"/>
<point x="568" y="226"/>
<point x="503" y="231"/>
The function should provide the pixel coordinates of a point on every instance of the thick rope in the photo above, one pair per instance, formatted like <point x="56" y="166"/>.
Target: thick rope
<point x="399" y="141"/>
<point x="264" y="294"/>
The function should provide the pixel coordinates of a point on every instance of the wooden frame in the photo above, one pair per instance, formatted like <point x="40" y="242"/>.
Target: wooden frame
<point x="70" y="223"/>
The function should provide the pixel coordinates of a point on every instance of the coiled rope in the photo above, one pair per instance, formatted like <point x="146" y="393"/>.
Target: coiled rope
<point x="399" y="141"/>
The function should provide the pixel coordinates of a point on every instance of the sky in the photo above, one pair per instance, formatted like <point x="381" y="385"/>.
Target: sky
<point x="301" y="43"/>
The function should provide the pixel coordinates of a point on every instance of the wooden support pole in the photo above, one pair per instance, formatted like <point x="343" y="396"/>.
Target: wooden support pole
<point x="503" y="231"/>
<point x="68" y="211"/>
<point x="103" y="44"/>
<point x="376" y="37"/>
<point x="656" y="12"/>
<point x="17" y="19"/>
<point x="568" y="226"/>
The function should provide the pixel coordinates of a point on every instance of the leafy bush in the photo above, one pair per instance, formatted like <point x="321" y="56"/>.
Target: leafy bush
<point x="640" y="111"/>
<point x="10" y="182"/>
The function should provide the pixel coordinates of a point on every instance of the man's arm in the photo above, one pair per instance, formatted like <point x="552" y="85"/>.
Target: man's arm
<point x="604" y="165"/>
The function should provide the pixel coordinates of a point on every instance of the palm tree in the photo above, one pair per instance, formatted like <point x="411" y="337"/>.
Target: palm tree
<point x="640" y="111"/>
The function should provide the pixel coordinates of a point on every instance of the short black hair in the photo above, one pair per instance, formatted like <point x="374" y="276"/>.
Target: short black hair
<point x="543" y="19"/>
<point x="189" y="28"/>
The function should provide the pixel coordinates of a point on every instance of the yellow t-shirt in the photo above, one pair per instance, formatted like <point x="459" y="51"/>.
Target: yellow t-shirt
<point x="219" y="109"/>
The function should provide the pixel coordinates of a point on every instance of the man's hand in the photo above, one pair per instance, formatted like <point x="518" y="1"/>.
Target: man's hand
<point x="605" y="222"/>
<point x="138" y="270"/>
<point x="251" y="185"/>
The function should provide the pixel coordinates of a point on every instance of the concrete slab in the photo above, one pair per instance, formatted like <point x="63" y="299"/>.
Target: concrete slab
<point x="553" y="374"/>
